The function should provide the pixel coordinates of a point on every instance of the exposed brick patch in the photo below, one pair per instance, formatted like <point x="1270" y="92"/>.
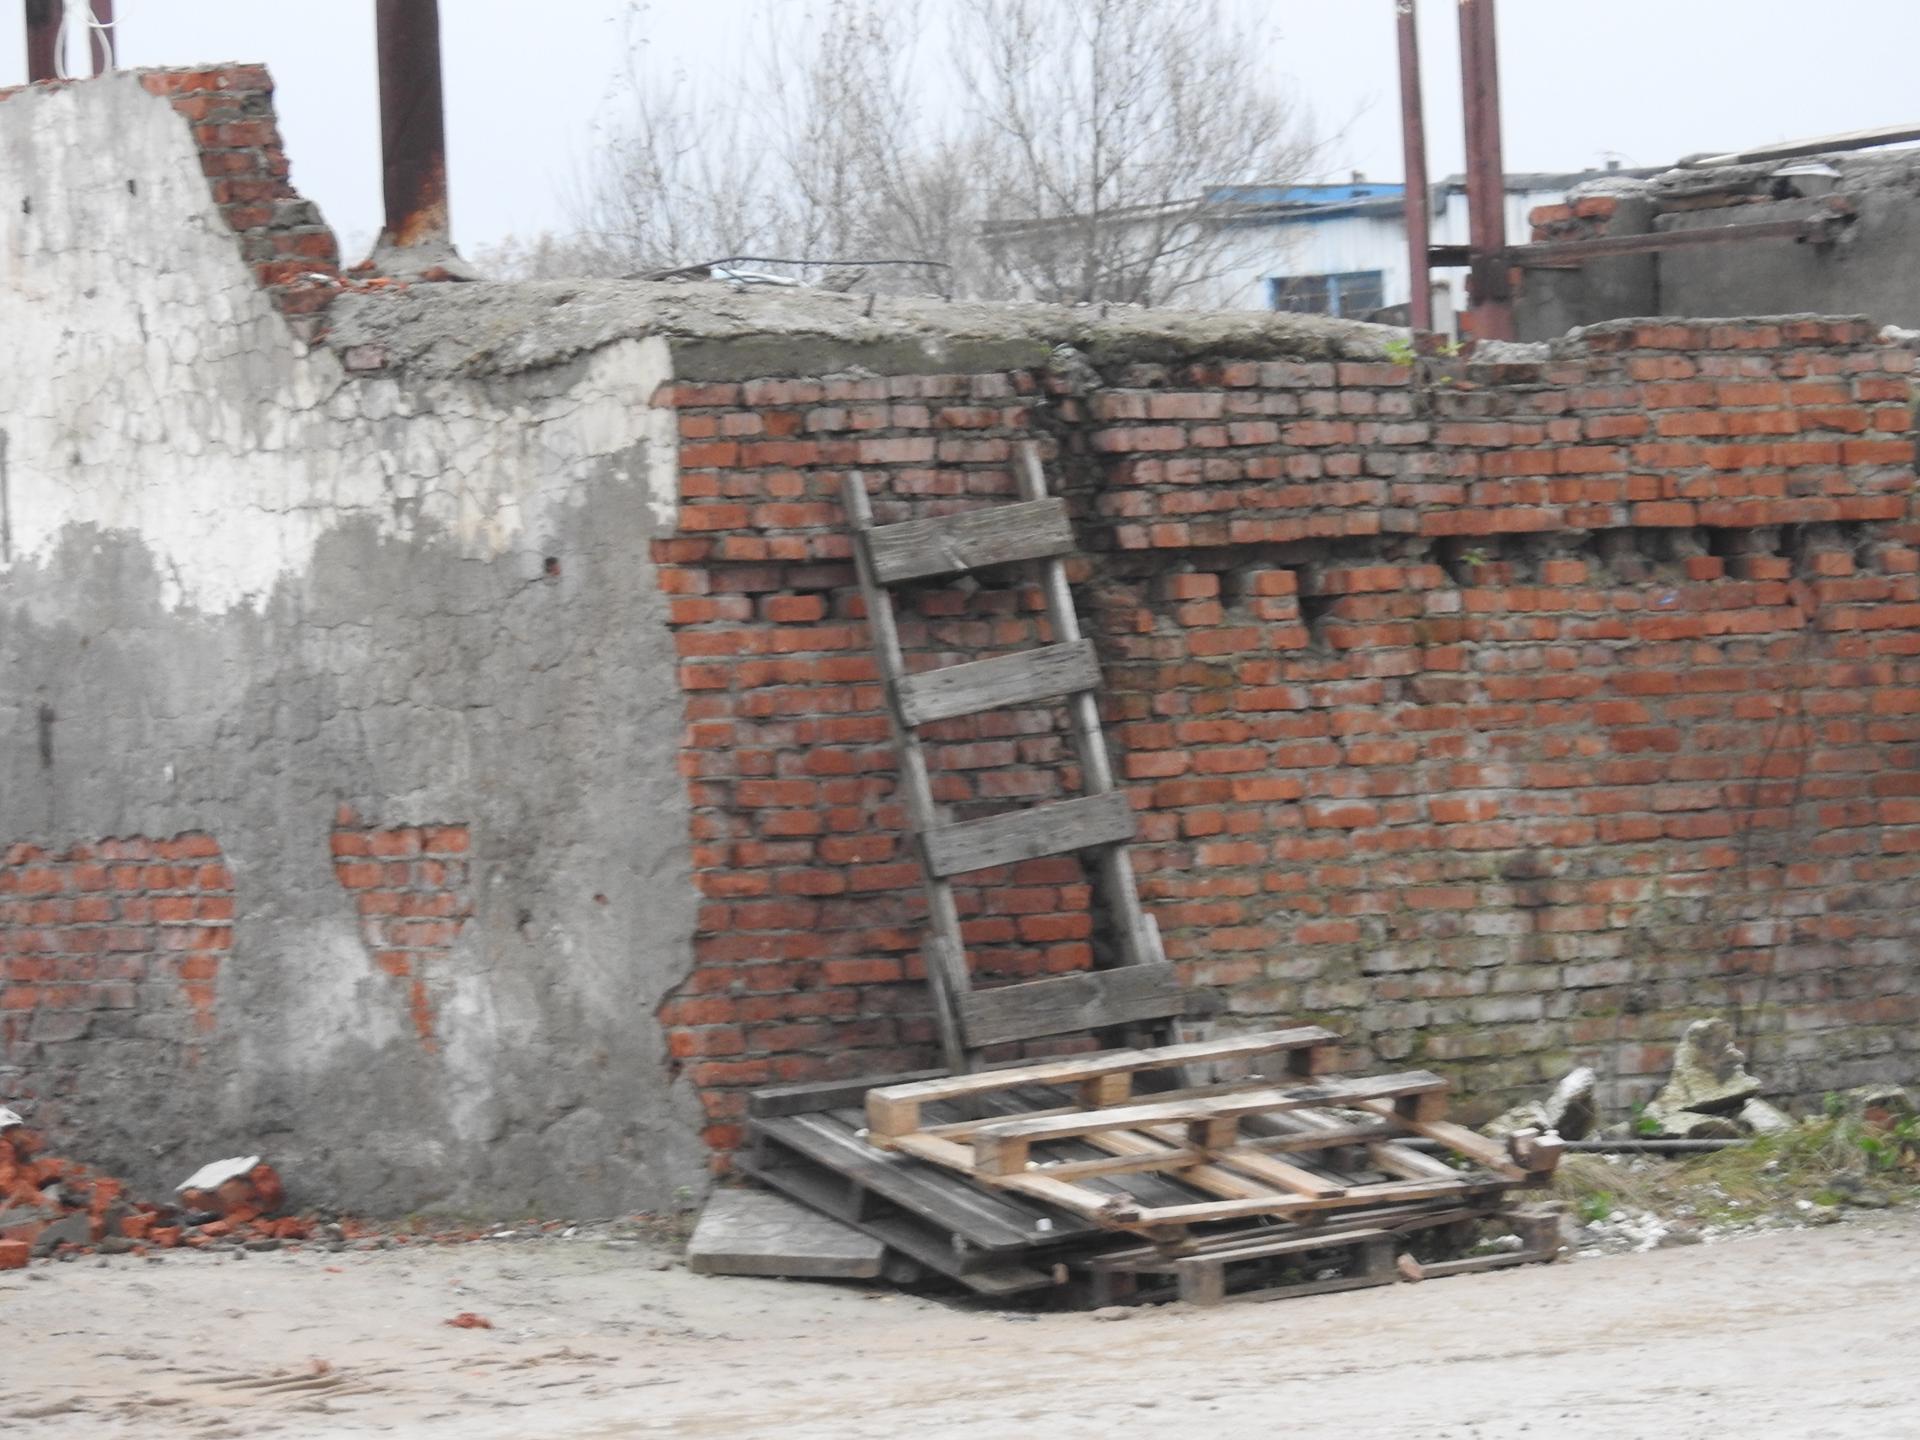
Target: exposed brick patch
<point x="124" y="937"/>
<point x="292" y="251"/>
<point x="409" y="886"/>
<point x="1497" y="714"/>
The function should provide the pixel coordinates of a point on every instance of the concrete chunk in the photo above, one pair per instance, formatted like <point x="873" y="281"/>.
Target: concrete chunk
<point x="752" y="1232"/>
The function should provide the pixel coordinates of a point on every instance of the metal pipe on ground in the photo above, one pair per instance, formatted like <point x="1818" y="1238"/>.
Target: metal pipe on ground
<point x="1653" y="1147"/>
<point x="1413" y="140"/>
<point x="43" y="40"/>
<point x="1492" y="290"/>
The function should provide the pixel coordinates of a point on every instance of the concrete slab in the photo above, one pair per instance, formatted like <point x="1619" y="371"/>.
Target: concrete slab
<point x="753" y="1232"/>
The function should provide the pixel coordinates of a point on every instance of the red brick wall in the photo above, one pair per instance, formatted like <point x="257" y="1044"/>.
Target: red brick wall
<point x="1498" y="715"/>
<point x="409" y="884"/>
<point x="99" y="941"/>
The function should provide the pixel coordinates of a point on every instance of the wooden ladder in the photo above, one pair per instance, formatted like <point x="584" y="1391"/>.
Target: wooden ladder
<point x="1140" y="988"/>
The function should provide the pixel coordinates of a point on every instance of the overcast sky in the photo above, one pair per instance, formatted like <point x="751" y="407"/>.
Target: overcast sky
<point x="1645" y="81"/>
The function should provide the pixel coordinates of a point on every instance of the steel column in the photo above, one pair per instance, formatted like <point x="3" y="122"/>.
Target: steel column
<point x="43" y="39"/>
<point x="1492" y="292"/>
<point x="413" y="141"/>
<point x="1413" y="137"/>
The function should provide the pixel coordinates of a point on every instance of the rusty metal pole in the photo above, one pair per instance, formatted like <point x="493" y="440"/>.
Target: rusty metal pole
<point x="1492" y="290"/>
<point x="413" y="137"/>
<point x="1413" y="137"/>
<point x="43" y="39"/>
<point x="102" y="43"/>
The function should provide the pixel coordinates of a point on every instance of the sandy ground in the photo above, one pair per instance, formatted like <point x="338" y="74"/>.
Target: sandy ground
<point x="1803" y="1333"/>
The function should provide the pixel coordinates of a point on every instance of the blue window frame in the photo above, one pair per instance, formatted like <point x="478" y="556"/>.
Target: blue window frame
<point x="1352" y="293"/>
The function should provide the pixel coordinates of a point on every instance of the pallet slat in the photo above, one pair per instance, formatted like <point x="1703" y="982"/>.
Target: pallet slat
<point x="1055" y="829"/>
<point x="1002" y="1148"/>
<point x="1020" y="679"/>
<point x="970" y="540"/>
<point x="894" y="1108"/>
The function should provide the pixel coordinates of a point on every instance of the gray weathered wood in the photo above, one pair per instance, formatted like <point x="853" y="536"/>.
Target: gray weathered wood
<point x="752" y="1232"/>
<point x="809" y="1097"/>
<point x="1064" y="1004"/>
<point x="1018" y="679"/>
<point x="903" y="1232"/>
<point x="1134" y="931"/>
<point x="970" y="540"/>
<point x="985" y="1219"/>
<point x="944" y="955"/>
<point x="1028" y="834"/>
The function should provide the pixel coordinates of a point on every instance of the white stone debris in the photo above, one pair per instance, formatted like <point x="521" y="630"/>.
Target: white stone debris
<point x="215" y="1174"/>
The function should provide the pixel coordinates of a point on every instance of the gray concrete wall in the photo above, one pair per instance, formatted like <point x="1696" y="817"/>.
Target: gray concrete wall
<point x="1868" y="269"/>
<point x="241" y="588"/>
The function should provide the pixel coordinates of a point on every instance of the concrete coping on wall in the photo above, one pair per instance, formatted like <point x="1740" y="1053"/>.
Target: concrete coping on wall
<point x="723" y="333"/>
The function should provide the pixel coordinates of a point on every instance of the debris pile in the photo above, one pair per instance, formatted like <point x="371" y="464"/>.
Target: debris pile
<point x="50" y="1205"/>
<point x="1709" y="1095"/>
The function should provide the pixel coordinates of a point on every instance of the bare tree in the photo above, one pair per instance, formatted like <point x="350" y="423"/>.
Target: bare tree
<point x="1114" y="127"/>
<point x="1075" y="159"/>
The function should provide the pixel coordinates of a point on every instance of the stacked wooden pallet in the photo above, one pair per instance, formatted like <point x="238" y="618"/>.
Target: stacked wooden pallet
<point x="1030" y="1176"/>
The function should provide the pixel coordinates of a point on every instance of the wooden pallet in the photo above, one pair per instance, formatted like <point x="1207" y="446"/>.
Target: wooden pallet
<point x="880" y="1155"/>
<point x="1249" y="1147"/>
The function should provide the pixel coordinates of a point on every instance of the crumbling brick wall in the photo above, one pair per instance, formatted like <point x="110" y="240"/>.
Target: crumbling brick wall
<point x="1499" y="715"/>
<point x="121" y="940"/>
<point x="282" y="236"/>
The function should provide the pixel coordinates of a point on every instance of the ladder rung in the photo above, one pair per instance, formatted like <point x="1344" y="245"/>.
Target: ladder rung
<point x="992" y="535"/>
<point x="1028" y="834"/>
<point x="1020" y="679"/>
<point x="1062" y="1004"/>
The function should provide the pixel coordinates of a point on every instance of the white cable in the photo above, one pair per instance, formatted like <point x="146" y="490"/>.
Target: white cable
<point x="95" y="28"/>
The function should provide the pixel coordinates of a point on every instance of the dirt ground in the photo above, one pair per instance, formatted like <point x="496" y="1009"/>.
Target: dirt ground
<point x="1804" y="1333"/>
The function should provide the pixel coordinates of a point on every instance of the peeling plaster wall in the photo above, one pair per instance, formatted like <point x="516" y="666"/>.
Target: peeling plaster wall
<point x="246" y="594"/>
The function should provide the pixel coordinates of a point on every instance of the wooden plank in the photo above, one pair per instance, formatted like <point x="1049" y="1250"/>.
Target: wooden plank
<point x="1148" y="1218"/>
<point x="1489" y="1154"/>
<point x="1409" y="1164"/>
<point x="1114" y="1210"/>
<point x="1318" y="1228"/>
<point x="907" y="1234"/>
<point x="944" y="957"/>
<point x="812" y="1096"/>
<point x="1001" y="1148"/>
<point x="1290" y="1142"/>
<point x="970" y="540"/>
<point x="752" y="1232"/>
<point x="1137" y="935"/>
<point x="1028" y="834"/>
<point x="986" y="1220"/>
<point x="1063" y="1004"/>
<point x="1018" y="679"/>
<point x="1278" y="1172"/>
<point x="893" y="1106"/>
